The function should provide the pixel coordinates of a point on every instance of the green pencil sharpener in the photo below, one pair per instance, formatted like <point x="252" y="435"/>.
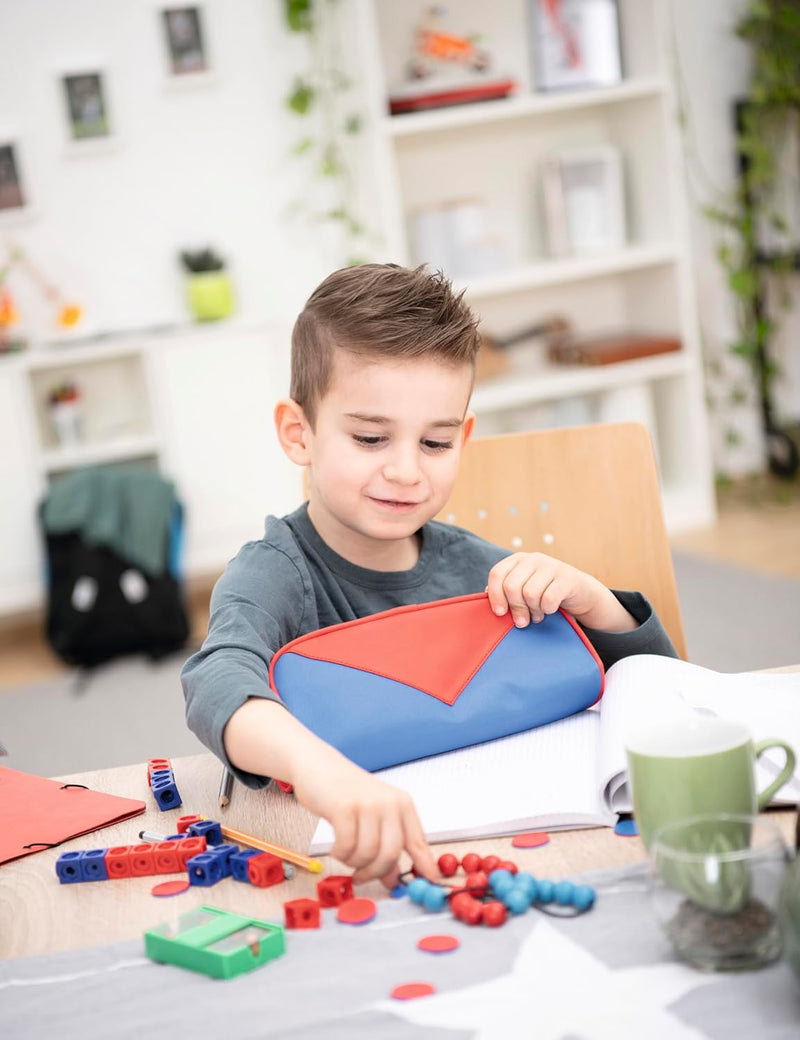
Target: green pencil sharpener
<point x="215" y="942"/>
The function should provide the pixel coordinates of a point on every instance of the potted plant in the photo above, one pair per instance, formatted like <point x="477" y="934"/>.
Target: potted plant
<point x="208" y="284"/>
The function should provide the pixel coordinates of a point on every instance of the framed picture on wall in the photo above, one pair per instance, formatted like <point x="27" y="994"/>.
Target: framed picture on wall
<point x="14" y="196"/>
<point x="185" y="42"/>
<point x="86" y="106"/>
<point x="575" y="43"/>
<point x="584" y="203"/>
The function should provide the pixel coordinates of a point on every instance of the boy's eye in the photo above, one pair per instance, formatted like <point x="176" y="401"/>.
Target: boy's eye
<point x="437" y="445"/>
<point x="368" y="441"/>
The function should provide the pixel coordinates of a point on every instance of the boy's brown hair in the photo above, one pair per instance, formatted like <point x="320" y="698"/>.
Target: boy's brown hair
<point x="378" y="311"/>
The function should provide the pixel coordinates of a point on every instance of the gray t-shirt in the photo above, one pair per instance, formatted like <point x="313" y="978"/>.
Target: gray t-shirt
<point x="291" y="583"/>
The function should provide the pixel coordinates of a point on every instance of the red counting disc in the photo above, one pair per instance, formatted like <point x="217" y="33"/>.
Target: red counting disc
<point x="530" y="841"/>
<point x="410" y="990"/>
<point x="356" y="911"/>
<point x="438" y="943"/>
<point x="170" y="888"/>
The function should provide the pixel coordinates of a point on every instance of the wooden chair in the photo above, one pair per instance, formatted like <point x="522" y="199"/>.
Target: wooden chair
<point x="586" y="494"/>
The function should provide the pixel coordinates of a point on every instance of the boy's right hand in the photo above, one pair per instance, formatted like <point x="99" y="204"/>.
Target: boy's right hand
<point x="373" y="822"/>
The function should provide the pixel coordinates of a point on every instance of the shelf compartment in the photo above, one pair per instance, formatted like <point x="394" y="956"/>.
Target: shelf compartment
<point x="554" y="382"/>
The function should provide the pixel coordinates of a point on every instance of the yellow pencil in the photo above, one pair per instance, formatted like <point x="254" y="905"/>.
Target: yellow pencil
<point x="299" y="860"/>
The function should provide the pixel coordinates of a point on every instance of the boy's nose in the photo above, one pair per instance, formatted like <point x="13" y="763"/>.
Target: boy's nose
<point x="402" y="468"/>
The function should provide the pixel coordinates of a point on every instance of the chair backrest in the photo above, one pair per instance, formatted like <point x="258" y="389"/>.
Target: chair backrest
<point x="586" y="494"/>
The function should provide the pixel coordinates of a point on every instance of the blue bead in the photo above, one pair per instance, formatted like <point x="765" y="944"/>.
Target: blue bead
<point x="517" y="901"/>
<point x="503" y="885"/>
<point x="399" y="891"/>
<point x="544" y="892"/>
<point x="500" y="875"/>
<point x="417" y="889"/>
<point x="583" y="897"/>
<point x="434" y="898"/>
<point x="525" y="881"/>
<point x="563" y="892"/>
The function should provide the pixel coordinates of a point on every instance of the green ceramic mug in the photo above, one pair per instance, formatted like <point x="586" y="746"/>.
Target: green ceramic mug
<point x="698" y="765"/>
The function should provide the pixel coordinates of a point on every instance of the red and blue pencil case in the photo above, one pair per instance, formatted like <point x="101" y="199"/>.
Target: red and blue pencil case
<point x="423" y="679"/>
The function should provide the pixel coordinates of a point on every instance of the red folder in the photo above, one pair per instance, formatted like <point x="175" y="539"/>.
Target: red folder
<point x="37" y="813"/>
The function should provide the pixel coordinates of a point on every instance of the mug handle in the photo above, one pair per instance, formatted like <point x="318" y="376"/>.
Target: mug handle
<point x="766" y="796"/>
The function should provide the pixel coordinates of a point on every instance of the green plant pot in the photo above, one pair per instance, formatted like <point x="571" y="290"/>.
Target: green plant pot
<point x="210" y="295"/>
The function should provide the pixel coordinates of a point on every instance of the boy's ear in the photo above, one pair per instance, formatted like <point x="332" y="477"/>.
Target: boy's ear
<point x="467" y="427"/>
<point x="292" y="428"/>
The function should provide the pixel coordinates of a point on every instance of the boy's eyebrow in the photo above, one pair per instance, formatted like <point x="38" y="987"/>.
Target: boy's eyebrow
<point x="384" y="421"/>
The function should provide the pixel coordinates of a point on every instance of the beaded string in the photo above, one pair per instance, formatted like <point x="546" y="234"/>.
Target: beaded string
<point x="492" y="889"/>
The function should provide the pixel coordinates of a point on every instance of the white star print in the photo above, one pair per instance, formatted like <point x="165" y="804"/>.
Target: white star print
<point x="557" y="988"/>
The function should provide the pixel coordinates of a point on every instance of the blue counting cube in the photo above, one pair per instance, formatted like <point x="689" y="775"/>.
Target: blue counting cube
<point x="93" y="865"/>
<point x="68" y="868"/>
<point x="238" y="863"/>
<point x="204" y="869"/>
<point x="208" y="829"/>
<point x="224" y="853"/>
<point x="166" y="794"/>
<point x="161" y="774"/>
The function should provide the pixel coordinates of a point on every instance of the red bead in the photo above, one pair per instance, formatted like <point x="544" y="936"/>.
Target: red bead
<point x="506" y="864"/>
<point x="494" y="914"/>
<point x="448" y="864"/>
<point x="489" y="863"/>
<point x="459" y="902"/>
<point x="471" y="862"/>
<point x="477" y="883"/>
<point x="473" y="914"/>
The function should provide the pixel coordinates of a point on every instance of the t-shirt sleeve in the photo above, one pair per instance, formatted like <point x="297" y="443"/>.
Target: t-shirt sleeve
<point x="256" y="607"/>
<point x="649" y="638"/>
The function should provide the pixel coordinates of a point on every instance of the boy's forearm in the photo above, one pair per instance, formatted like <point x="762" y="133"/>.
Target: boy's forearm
<point x="262" y="737"/>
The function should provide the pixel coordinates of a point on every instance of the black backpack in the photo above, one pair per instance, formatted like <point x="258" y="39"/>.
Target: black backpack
<point x="100" y="605"/>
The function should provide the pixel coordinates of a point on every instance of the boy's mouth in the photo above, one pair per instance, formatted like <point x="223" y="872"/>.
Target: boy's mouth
<point x="395" y="504"/>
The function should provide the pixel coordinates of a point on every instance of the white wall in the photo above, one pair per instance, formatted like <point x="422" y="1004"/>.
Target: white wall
<point x="191" y="165"/>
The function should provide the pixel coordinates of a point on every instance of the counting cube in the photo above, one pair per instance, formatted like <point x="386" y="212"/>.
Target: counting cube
<point x="334" y="889"/>
<point x="239" y="861"/>
<point x="265" y="870"/>
<point x="208" y="829"/>
<point x="93" y="865"/>
<point x="68" y="868"/>
<point x="204" y="870"/>
<point x="118" y="861"/>
<point x="302" y="913"/>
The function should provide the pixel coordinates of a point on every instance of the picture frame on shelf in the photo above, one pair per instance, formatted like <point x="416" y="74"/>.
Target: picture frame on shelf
<point x="87" y="110"/>
<point x="575" y="44"/>
<point x="185" y="41"/>
<point x="584" y="203"/>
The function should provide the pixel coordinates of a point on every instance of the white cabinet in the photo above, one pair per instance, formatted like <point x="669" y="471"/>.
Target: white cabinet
<point x="21" y="578"/>
<point x="494" y="152"/>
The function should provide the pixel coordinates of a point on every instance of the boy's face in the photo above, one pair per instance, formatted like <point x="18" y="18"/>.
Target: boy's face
<point x="384" y="454"/>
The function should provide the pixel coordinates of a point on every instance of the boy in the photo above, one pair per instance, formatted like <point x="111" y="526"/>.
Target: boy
<point x="382" y="370"/>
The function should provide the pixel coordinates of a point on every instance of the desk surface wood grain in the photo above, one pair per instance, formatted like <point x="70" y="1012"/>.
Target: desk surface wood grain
<point x="40" y="915"/>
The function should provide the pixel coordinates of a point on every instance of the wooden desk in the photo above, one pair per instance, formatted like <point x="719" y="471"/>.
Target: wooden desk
<point x="38" y="914"/>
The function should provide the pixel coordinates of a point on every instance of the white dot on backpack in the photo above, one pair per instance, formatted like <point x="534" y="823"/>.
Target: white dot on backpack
<point x="84" y="594"/>
<point x="133" y="586"/>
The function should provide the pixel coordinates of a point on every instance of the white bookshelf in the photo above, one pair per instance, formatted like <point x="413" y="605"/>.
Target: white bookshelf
<point x="493" y="151"/>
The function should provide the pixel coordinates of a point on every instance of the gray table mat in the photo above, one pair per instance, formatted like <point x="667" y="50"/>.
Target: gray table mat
<point x="606" y="975"/>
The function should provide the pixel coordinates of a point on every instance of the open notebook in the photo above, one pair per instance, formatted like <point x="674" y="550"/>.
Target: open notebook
<point x="572" y="773"/>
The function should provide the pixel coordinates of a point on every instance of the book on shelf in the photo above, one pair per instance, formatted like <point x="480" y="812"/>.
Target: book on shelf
<point x="607" y="350"/>
<point x="572" y="773"/>
<point x="417" y="97"/>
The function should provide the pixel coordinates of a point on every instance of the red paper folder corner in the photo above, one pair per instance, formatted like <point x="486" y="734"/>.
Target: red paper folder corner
<point x="37" y="813"/>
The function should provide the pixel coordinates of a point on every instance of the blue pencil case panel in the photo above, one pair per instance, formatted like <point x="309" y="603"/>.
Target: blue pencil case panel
<point x="433" y="677"/>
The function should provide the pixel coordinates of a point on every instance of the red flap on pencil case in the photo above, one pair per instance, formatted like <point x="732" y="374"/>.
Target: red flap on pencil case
<point x="432" y="677"/>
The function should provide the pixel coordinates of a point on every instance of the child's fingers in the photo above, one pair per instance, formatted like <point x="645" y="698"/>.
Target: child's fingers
<point x="371" y="838"/>
<point x="345" y="830"/>
<point x="417" y="847"/>
<point x="384" y="857"/>
<point x="494" y="585"/>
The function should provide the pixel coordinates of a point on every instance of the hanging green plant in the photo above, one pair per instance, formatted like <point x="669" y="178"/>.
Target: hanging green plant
<point x="320" y="95"/>
<point x="755" y="244"/>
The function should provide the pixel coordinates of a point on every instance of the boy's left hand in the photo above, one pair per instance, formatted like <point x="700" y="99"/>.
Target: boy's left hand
<point x="531" y="585"/>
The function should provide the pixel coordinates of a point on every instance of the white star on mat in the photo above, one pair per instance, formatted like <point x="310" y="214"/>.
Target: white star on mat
<point x="555" y="988"/>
